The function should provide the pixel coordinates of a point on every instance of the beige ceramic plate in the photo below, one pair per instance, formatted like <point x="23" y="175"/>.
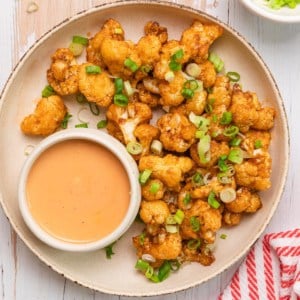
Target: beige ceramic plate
<point x="117" y="276"/>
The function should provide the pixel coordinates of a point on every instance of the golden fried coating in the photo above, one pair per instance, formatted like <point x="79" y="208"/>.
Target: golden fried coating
<point x="256" y="139"/>
<point x="221" y="93"/>
<point x="98" y="88"/>
<point x="46" y="117"/>
<point x="245" y="202"/>
<point x="148" y="50"/>
<point x="208" y="74"/>
<point x="147" y="97"/>
<point x="151" y="85"/>
<point x="154" y="212"/>
<point x="177" y="132"/>
<point x="147" y="192"/>
<point x="170" y="169"/>
<point x="255" y="172"/>
<point x="197" y="103"/>
<point x="153" y="28"/>
<point x="114" y="130"/>
<point x="110" y="29"/>
<point x="231" y="219"/>
<point x="128" y="118"/>
<point x="198" y="38"/>
<point x="63" y="72"/>
<point x="202" y="255"/>
<point x="265" y="119"/>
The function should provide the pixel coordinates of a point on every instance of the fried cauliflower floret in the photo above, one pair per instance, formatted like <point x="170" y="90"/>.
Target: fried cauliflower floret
<point x="147" y="97"/>
<point x="210" y="220"/>
<point x="167" y="246"/>
<point x="171" y="91"/>
<point x="208" y="74"/>
<point x="148" y="49"/>
<point x="128" y="118"/>
<point x="46" y="117"/>
<point x="231" y="219"/>
<point x="197" y="103"/>
<point x="154" y="212"/>
<point x="114" y="54"/>
<point x="147" y="192"/>
<point x="110" y="29"/>
<point x="245" y="202"/>
<point x="151" y="85"/>
<point x="177" y="132"/>
<point x="170" y="169"/>
<point x="201" y="255"/>
<point x="97" y="88"/>
<point x="198" y="38"/>
<point x="114" y="130"/>
<point x="153" y="28"/>
<point x="221" y="92"/>
<point x="253" y="137"/>
<point x="255" y="172"/>
<point x="63" y="72"/>
<point x="247" y="111"/>
<point x="217" y="149"/>
<point x="145" y="134"/>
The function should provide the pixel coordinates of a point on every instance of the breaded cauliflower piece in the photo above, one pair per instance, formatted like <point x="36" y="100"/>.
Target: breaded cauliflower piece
<point x="147" y="97"/>
<point x="216" y="150"/>
<point x="255" y="172"/>
<point x="151" y="85"/>
<point x="248" y="113"/>
<point x="210" y="221"/>
<point x="198" y="38"/>
<point x="221" y="93"/>
<point x="114" y="54"/>
<point x="208" y="74"/>
<point x="114" y="130"/>
<point x="153" y="28"/>
<point x="148" y="49"/>
<point x="98" y="88"/>
<point x="154" y="212"/>
<point x="46" y="118"/>
<point x="63" y="72"/>
<point x="150" y="195"/>
<point x="145" y="134"/>
<point x="110" y="29"/>
<point x="170" y="169"/>
<point x="253" y="137"/>
<point x="245" y="202"/>
<point x="230" y="218"/>
<point x="128" y="118"/>
<point x="171" y="91"/>
<point x="167" y="247"/>
<point x="177" y="132"/>
<point x="202" y="255"/>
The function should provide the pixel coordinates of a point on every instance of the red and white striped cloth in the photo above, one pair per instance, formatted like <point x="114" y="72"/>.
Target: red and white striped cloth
<point x="270" y="271"/>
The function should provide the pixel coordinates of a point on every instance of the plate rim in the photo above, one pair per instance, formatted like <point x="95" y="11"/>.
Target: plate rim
<point x="199" y="13"/>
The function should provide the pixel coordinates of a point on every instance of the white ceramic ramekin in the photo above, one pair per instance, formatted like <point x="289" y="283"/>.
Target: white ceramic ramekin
<point x="113" y="146"/>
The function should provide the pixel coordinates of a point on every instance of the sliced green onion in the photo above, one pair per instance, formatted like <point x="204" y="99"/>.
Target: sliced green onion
<point x="224" y="178"/>
<point x="146" y="69"/>
<point x="171" y="228"/>
<point x="228" y="195"/>
<point x="154" y="188"/>
<point x="121" y="100"/>
<point x="257" y="144"/>
<point x="212" y="201"/>
<point x="82" y="125"/>
<point x="231" y="131"/>
<point x="76" y="49"/>
<point x="109" y="250"/>
<point x="193" y="70"/>
<point x="223" y="236"/>
<point x="144" y="176"/>
<point x="235" y="142"/>
<point x="187" y="93"/>
<point x="156" y="147"/>
<point x="142" y="265"/>
<point x="223" y="167"/>
<point x="170" y="220"/>
<point x="174" y="65"/>
<point x="28" y="149"/>
<point x="102" y="124"/>
<point x="142" y="238"/>
<point x="179" y="216"/>
<point x="128" y="88"/>
<point x="209" y="105"/>
<point x="214" y="118"/>
<point x="118" y="30"/>
<point x="195" y="224"/>
<point x="81" y="98"/>
<point x="216" y="61"/>
<point x="131" y="65"/>
<point x="199" y="134"/>
<point x="194" y="244"/>
<point x="164" y="271"/>
<point x="199" y="121"/>
<point x="149" y="272"/>
<point x="187" y="199"/>
<point x="48" y="91"/>
<point x="236" y="156"/>
<point x="226" y="118"/>
<point x="178" y="55"/>
<point x="191" y="84"/>
<point x="169" y="76"/>
<point x="203" y="148"/>
<point x="119" y="85"/>
<point x="198" y="178"/>
<point x="134" y="148"/>
<point x="94" y="108"/>
<point x="65" y="121"/>
<point x="233" y="76"/>
<point x="77" y="39"/>
<point x="175" y="265"/>
<point x="93" y="69"/>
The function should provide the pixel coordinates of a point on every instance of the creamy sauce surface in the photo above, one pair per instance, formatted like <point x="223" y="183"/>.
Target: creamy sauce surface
<point x="78" y="191"/>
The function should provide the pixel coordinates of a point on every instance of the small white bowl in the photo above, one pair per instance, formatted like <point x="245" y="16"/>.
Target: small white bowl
<point x="114" y="147"/>
<point x="283" y="15"/>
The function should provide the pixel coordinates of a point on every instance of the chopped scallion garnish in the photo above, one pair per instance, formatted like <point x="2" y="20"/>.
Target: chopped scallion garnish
<point x="93" y="69"/>
<point x="65" y="121"/>
<point x="77" y="39"/>
<point x="81" y="98"/>
<point x="187" y="93"/>
<point x="235" y="142"/>
<point x="223" y="167"/>
<point x="76" y="49"/>
<point x="94" y="108"/>
<point x="198" y="178"/>
<point x="226" y="118"/>
<point x="212" y="201"/>
<point x="154" y="188"/>
<point x="82" y="125"/>
<point x="194" y="244"/>
<point x="216" y="61"/>
<point x="121" y="100"/>
<point x="195" y="224"/>
<point x="144" y="176"/>
<point x="48" y="91"/>
<point x="231" y="131"/>
<point x="236" y="156"/>
<point x="187" y="199"/>
<point x="179" y="216"/>
<point x="109" y="250"/>
<point x="119" y="85"/>
<point x="223" y="236"/>
<point x="131" y="65"/>
<point x="233" y="76"/>
<point x="102" y="124"/>
<point x="257" y="144"/>
<point x="191" y="84"/>
<point x="203" y="148"/>
<point x="134" y="148"/>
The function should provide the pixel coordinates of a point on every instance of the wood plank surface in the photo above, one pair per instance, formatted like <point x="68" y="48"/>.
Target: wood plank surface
<point x="22" y="275"/>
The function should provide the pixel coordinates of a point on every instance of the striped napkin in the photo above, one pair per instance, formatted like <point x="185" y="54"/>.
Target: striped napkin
<point x="270" y="271"/>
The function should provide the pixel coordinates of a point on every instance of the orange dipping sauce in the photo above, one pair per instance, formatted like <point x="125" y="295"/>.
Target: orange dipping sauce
<point x="78" y="191"/>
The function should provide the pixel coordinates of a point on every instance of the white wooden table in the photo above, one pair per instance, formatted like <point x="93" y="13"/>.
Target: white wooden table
<point x="22" y="275"/>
